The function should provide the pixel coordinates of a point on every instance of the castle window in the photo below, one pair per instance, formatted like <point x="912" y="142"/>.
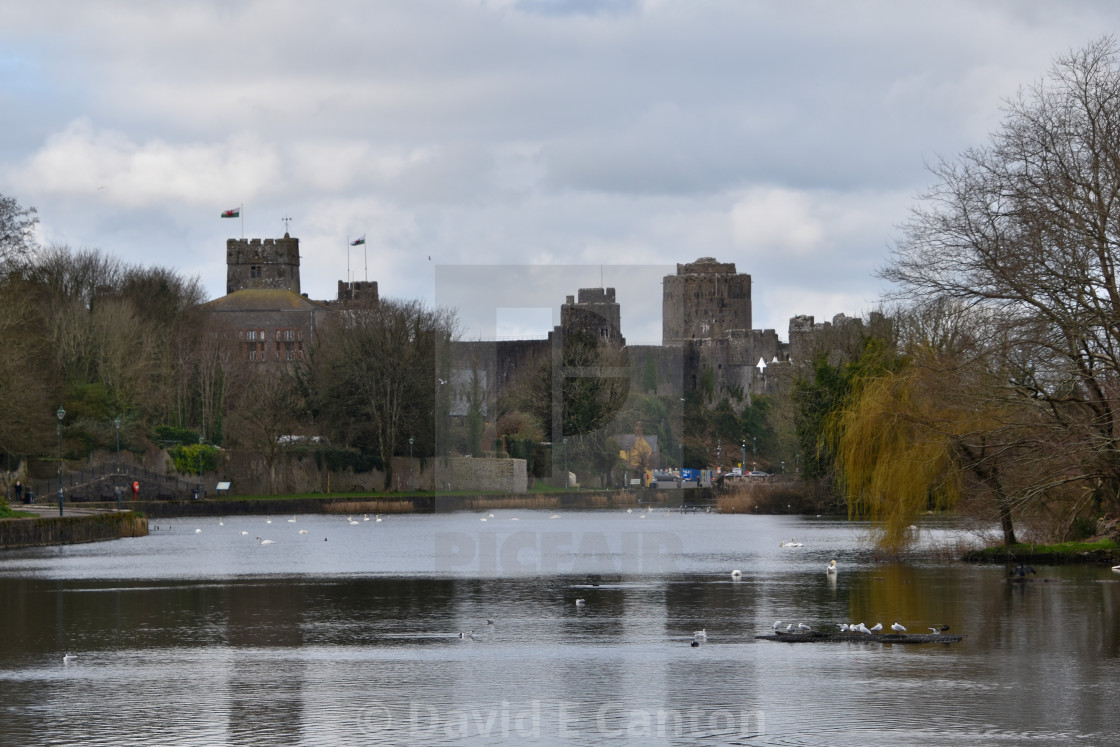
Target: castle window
<point x="255" y="271"/>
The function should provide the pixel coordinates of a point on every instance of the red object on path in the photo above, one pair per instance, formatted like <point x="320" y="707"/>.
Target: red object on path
<point x="135" y="489"/>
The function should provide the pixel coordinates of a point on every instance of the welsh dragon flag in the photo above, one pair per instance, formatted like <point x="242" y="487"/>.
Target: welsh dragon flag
<point x="234" y="213"/>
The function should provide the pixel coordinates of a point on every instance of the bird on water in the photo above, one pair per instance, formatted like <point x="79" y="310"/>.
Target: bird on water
<point x="831" y="567"/>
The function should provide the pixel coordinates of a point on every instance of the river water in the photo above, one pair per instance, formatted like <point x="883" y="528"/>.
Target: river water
<point x="349" y="634"/>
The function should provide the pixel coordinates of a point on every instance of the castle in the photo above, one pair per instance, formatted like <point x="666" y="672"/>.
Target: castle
<point x="707" y="345"/>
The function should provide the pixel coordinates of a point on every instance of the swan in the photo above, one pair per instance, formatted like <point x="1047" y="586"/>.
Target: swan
<point x="580" y="602"/>
<point x="831" y="567"/>
<point x="736" y="573"/>
<point x="352" y="522"/>
<point x="292" y="520"/>
<point x="377" y="518"/>
<point x="630" y="511"/>
<point x="198" y="531"/>
<point x="303" y="531"/>
<point x="221" y="523"/>
<point x="701" y="634"/>
<point x="482" y="519"/>
<point x="266" y="542"/>
<point x="365" y="517"/>
<point x="67" y="658"/>
<point x="553" y="516"/>
<point x="268" y="520"/>
<point x="244" y="533"/>
<point x="898" y="628"/>
<point x="792" y="543"/>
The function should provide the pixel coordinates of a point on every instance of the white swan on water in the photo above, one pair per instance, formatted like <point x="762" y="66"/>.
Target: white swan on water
<point x="736" y="573"/>
<point x="831" y="567"/>
<point x="266" y="542"/>
<point x="67" y="658"/>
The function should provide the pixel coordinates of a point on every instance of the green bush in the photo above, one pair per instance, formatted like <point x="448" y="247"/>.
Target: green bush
<point x="189" y="459"/>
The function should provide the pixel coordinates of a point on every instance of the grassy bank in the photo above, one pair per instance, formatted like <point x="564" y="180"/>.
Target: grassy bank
<point x="1104" y="552"/>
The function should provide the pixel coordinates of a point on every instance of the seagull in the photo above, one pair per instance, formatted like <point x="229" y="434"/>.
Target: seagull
<point x="935" y="631"/>
<point x="736" y="573"/>
<point x="266" y="542"/>
<point x="580" y="602"/>
<point x="701" y="634"/>
<point x="862" y="629"/>
<point x="896" y="627"/>
<point x="303" y="531"/>
<point x="803" y="627"/>
<point x="876" y="628"/>
<point x="843" y="627"/>
<point x="789" y="628"/>
<point x="777" y="625"/>
<point x="831" y="567"/>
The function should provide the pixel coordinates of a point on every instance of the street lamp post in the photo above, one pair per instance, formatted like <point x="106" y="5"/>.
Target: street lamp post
<point x="411" y="474"/>
<point x="565" y="462"/>
<point x="743" y="464"/>
<point x="200" y="466"/>
<point x="61" y="414"/>
<point x="117" y="423"/>
<point x="754" y="449"/>
<point x="719" y="455"/>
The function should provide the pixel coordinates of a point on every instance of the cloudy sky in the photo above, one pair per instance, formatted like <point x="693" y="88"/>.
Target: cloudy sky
<point x="499" y="154"/>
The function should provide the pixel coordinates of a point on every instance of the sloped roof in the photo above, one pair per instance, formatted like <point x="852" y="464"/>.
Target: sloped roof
<point x="264" y="299"/>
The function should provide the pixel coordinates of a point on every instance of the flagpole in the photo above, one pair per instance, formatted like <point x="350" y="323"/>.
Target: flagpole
<point x="241" y="215"/>
<point x="365" y="259"/>
<point x="348" y="283"/>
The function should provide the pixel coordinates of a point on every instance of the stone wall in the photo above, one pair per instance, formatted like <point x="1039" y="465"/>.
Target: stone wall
<point x="505" y="475"/>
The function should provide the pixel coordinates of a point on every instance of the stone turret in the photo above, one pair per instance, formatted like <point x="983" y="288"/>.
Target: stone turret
<point x="706" y="299"/>
<point x="595" y="314"/>
<point x="262" y="263"/>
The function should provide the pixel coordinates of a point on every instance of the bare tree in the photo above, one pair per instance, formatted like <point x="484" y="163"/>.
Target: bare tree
<point x="17" y="229"/>
<point x="373" y="376"/>
<point x="1027" y="227"/>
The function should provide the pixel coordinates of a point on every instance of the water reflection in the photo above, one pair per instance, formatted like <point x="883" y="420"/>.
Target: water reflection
<point x="186" y="638"/>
